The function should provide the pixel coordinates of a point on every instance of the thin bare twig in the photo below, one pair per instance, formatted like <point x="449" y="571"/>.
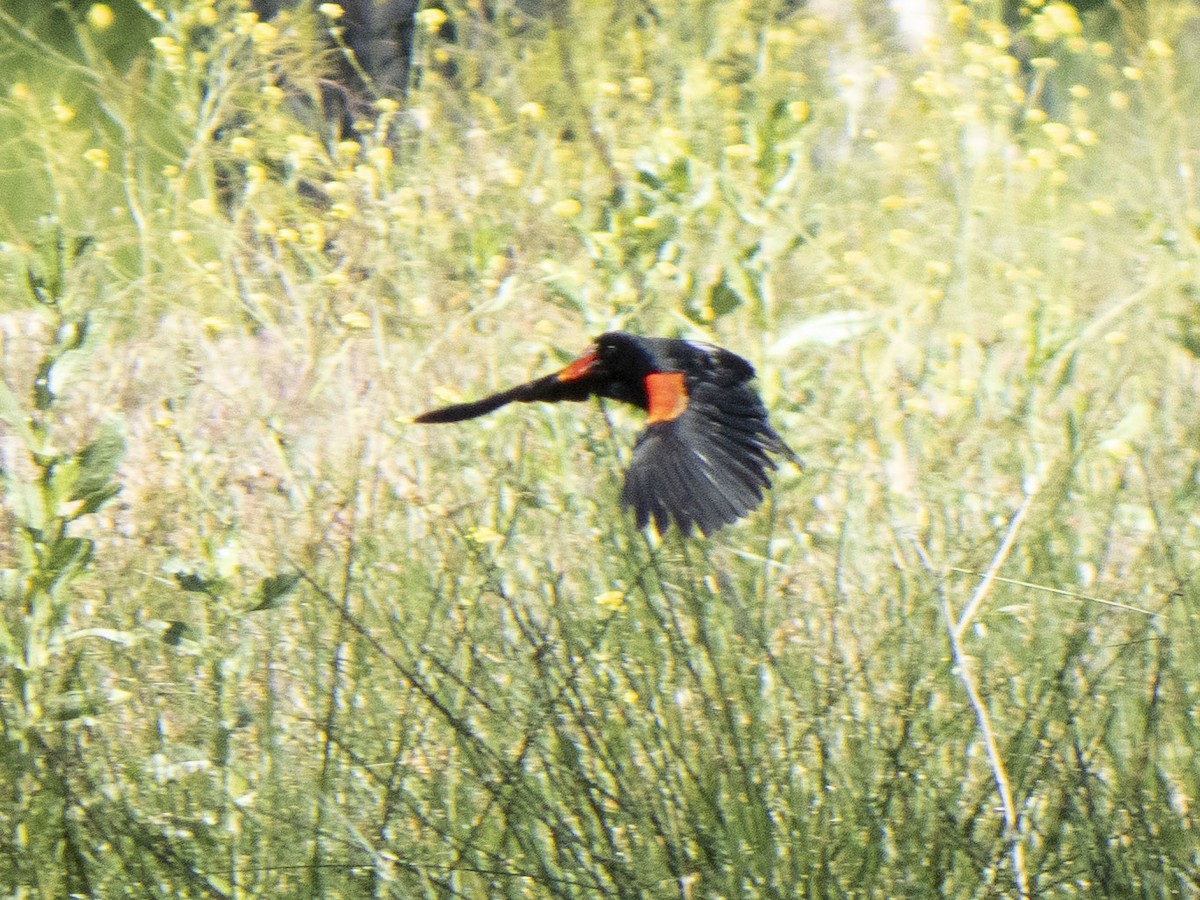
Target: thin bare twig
<point x="1074" y="595"/>
<point x="1010" y="538"/>
<point x="963" y="666"/>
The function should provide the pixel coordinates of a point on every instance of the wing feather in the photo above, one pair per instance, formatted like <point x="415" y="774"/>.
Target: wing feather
<point x="707" y="467"/>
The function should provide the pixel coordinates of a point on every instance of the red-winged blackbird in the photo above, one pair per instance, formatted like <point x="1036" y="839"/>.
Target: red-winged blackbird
<point x="704" y="456"/>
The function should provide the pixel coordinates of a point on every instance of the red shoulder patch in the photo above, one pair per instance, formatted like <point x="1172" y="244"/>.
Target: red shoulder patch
<point x="666" y="396"/>
<point x="578" y="369"/>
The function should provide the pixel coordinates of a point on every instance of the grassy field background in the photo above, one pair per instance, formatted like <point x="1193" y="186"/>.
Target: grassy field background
<point x="260" y="635"/>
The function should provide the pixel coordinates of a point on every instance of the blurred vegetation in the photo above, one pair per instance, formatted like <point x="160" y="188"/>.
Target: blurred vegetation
<point x="262" y="636"/>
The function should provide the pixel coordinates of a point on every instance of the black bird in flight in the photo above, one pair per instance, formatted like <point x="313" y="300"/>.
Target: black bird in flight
<point x="705" y="454"/>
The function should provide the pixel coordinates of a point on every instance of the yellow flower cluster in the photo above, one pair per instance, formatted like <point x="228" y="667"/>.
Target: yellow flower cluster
<point x="1055" y="21"/>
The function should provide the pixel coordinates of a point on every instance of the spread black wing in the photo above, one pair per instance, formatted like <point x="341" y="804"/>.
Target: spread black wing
<point x="707" y="467"/>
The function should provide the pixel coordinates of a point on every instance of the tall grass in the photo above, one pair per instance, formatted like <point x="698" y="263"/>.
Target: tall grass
<point x="318" y="651"/>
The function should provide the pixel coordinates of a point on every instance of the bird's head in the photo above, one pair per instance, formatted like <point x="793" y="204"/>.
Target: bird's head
<point x="613" y="357"/>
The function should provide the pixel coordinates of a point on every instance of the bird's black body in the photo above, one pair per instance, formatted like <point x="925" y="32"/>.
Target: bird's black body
<point x="704" y="456"/>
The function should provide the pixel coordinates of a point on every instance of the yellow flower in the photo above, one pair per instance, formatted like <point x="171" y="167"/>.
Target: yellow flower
<point x="482" y="534"/>
<point x="611" y="601"/>
<point x="799" y="110"/>
<point x="1057" y="132"/>
<point x="331" y="11"/>
<point x="100" y="16"/>
<point x="893" y="202"/>
<point x="1118" y="100"/>
<point x="242" y="146"/>
<point x="431" y="19"/>
<point x="287" y="235"/>
<point x="356" y="319"/>
<point x="97" y="156"/>
<point x="900" y="236"/>
<point x="1005" y="64"/>
<point x="264" y="33"/>
<point x="641" y="88"/>
<point x="532" y="111"/>
<point x="739" y="151"/>
<point x="1159" y="48"/>
<point x="567" y="209"/>
<point x="381" y="157"/>
<point x="1133" y="73"/>
<point x="202" y="206"/>
<point x="885" y="150"/>
<point x="1054" y="21"/>
<point x="62" y="112"/>
<point x="314" y="234"/>
<point x="1101" y="207"/>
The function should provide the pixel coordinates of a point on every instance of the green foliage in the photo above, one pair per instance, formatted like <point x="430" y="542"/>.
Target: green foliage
<point x="47" y="490"/>
<point x="263" y="636"/>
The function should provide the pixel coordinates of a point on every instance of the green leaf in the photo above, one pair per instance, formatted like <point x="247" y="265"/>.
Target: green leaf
<point x="723" y="299"/>
<point x="42" y="395"/>
<point x="81" y="245"/>
<point x="194" y="583"/>
<point x="37" y="287"/>
<point x="97" y="499"/>
<point x="24" y="500"/>
<point x="191" y="582"/>
<point x="649" y="179"/>
<point x="98" y="463"/>
<point x="63" y="559"/>
<point x="275" y="588"/>
<point x="175" y="633"/>
<point x="73" y="332"/>
<point x="679" y="176"/>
